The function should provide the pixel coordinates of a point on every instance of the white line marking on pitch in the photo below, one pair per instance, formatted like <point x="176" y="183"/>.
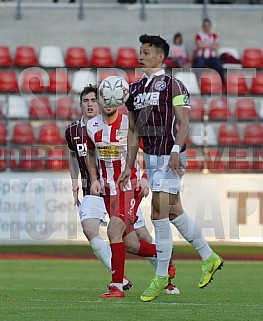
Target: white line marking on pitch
<point x="136" y="302"/>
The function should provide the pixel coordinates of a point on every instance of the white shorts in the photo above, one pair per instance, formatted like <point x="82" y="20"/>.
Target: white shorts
<point x="159" y="178"/>
<point x="140" y="221"/>
<point x="92" y="207"/>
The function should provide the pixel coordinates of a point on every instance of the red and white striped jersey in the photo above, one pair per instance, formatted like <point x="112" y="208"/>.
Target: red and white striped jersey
<point x="211" y="38"/>
<point x="110" y="142"/>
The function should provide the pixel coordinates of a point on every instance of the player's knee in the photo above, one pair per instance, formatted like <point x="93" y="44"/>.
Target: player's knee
<point x="132" y="247"/>
<point x="89" y="232"/>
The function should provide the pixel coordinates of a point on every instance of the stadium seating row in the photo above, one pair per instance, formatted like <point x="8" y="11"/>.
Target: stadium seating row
<point x="24" y="133"/>
<point x="35" y="158"/>
<point x="236" y="160"/>
<point x="220" y="109"/>
<point x="37" y="80"/>
<point x="76" y="57"/>
<point x="41" y="107"/>
<point x="210" y="83"/>
<point x="50" y="133"/>
<point x="228" y="134"/>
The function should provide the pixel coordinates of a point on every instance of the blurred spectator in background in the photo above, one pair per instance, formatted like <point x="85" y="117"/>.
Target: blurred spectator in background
<point x="178" y="56"/>
<point x="205" y="55"/>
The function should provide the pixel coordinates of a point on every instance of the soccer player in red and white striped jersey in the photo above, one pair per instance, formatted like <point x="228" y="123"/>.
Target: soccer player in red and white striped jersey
<point x="107" y="148"/>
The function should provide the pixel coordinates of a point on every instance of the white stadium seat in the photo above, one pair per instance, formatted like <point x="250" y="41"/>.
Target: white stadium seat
<point x="16" y="107"/>
<point x="51" y="56"/>
<point x="190" y="81"/>
<point x="82" y="78"/>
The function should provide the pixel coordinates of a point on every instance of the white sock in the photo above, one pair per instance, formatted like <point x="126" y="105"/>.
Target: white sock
<point x="102" y="250"/>
<point x="164" y="243"/>
<point x="153" y="259"/>
<point x="192" y="233"/>
<point x="118" y="285"/>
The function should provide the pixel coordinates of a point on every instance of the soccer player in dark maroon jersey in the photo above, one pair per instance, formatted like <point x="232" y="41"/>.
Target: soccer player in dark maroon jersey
<point x="159" y="110"/>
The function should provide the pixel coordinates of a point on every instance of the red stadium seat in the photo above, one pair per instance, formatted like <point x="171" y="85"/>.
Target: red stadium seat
<point x="127" y="58"/>
<point x="3" y="133"/>
<point x="49" y="134"/>
<point x="192" y="164"/>
<point x="30" y="160"/>
<point x="214" y="161"/>
<point x="58" y="82"/>
<point x="257" y="84"/>
<point x="197" y="109"/>
<point x="102" y="74"/>
<point x="102" y="57"/>
<point x="64" y="108"/>
<point x="210" y="83"/>
<point x="32" y="81"/>
<point x="253" y="58"/>
<point x="238" y="160"/>
<point x="8" y="81"/>
<point x="26" y="57"/>
<point x="23" y="133"/>
<point x="2" y="159"/>
<point x="253" y="135"/>
<point x="76" y="57"/>
<point x="229" y="135"/>
<point x="40" y="108"/>
<point x="258" y="160"/>
<point x="219" y="109"/>
<point x="134" y="76"/>
<point x="5" y="57"/>
<point x="246" y="109"/>
<point x="236" y="84"/>
<point x="57" y="160"/>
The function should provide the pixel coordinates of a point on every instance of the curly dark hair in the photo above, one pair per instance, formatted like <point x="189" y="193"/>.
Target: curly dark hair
<point x="88" y="89"/>
<point x="156" y="41"/>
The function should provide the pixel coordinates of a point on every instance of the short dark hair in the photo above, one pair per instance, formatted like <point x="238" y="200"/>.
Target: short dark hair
<point x="156" y="41"/>
<point x="207" y="20"/>
<point x="88" y="89"/>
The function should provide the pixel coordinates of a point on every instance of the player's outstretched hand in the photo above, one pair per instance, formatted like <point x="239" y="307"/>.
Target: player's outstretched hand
<point x="124" y="178"/>
<point x="76" y="197"/>
<point x="174" y="164"/>
<point x="144" y="187"/>
<point x="95" y="188"/>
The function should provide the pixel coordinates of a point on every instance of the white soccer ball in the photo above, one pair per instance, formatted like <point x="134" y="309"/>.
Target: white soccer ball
<point x="113" y="91"/>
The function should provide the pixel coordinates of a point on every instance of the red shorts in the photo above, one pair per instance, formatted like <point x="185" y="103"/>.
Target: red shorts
<point x="124" y="205"/>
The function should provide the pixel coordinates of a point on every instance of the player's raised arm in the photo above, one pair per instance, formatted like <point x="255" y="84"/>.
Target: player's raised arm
<point x="132" y="150"/>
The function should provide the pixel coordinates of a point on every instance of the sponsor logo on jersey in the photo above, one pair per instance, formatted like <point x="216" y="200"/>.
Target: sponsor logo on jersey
<point x="119" y="134"/>
<point x="82" y="149"/>
<point x="160" y="85"/>
<point x="108" y="151"/>
<point x="146" y="99"/>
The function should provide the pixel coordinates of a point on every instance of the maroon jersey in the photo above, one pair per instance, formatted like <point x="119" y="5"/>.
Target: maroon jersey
<point x="76" y="136"/>
<point x="152" y="100"/>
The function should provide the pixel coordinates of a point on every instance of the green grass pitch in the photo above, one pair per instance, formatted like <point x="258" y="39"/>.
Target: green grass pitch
<point x="54" y="290"/>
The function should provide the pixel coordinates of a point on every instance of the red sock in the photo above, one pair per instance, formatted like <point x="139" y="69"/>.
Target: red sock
<point x="117" y="261"/>
<point x="147" y="249"/>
